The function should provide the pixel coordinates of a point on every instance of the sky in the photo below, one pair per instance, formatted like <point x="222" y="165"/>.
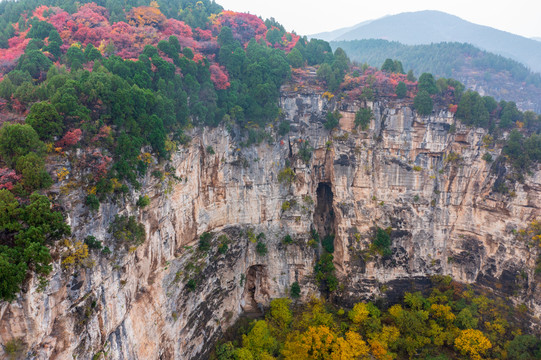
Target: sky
<point x="521" y="17"/>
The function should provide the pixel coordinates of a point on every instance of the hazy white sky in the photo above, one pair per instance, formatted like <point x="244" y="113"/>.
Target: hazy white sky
<point x="521" y="17"/>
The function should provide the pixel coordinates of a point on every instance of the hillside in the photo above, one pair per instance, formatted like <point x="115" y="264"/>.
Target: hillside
<point x="479" y="70"/>
<point x="426" y="27"/>
<point x="169" y="168"/>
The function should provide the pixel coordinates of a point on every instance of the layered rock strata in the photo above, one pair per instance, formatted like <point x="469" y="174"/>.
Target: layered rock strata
<point x="166" y="300"/>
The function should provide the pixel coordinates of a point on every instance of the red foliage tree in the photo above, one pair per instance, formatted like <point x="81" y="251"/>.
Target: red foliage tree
<point x="197" y="57"/>
<point x="59" y="20"/>
<point x="38" y="12"/>
<point x="104" y="132"/>
<point x="86" y="35"/>
<point x="244" y="26"/>
<point x="8" y="178"/>
<point x="202" y="35"/>
<point x="16" y="46"/>
<point x="98" y="162"/>
<point x="182" y="31"/>
<point x="219" y="77"/>
<point x="71" y="138"/>
<point x="290" y="44"/>
<point x="92" y="15"/>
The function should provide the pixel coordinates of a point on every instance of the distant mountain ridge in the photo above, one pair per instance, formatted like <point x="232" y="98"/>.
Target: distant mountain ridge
<point x="430" y="26"/>
<point x="480" y="70"/>
<point x="335" y="34"/>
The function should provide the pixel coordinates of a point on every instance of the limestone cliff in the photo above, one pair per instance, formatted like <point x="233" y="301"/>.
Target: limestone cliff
<point x="410" y="173"/>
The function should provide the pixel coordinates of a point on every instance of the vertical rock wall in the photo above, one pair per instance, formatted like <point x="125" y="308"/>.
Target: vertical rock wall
<point x="167" y="300"/>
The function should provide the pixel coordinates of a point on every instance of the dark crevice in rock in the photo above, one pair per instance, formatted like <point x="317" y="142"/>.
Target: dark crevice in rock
<point x="324" y="219"/>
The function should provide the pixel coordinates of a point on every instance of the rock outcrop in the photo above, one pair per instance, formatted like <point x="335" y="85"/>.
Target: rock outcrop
<point x="167" y="300"/>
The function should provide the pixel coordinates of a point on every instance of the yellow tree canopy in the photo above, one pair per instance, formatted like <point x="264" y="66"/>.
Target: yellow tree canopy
<point x="359" y="313"/>
<point x="472" y="343"/>
<point x="352" y="347"/>
<point x="321" y="343"/>
<point x="146" y="16"/>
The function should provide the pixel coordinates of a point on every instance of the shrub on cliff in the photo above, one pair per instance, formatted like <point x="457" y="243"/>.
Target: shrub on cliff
<point x="32" y="168"/>
<point x="93" y="243"/>
<point x="44" y="118"/>
<point x="284" y="128"/>
<point x="222" y="248"/>
<point x="423" y="103"/>
<point x="18" y="140"/>
<point x="93" y="202"/>
<point x="127" y="230"/>
<point x="328" y="243"/>
<point x="261" y="248"/>
<point x="305" y="151"/>
<point x="286" y="176"/>
<point x="295" y="291"/>
<point x="287" y="240"/>
<point x="363" y="117"/>
<point x="143" y="201"/>
<point x="191" y="285"/>
<point x="382" y="242"/>
<point x="401" y="90"/>
<point x="26" y="232"/>
<point x="333" y="120"/>
<point x="204" y="242"/>
<point x="325" y="273"/>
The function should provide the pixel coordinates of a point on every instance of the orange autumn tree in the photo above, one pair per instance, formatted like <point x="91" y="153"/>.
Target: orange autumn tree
<point x="146" y="16"/>
<point x="472" y="343"/>
<point x="380" y="342"/>
<point x="350" y="347"/>
<point x="321" y="342"/>
<point x="315" y="343"/>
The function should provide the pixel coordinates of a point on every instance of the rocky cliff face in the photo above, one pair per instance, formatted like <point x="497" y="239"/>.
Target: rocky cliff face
<point x="409" y="173"/>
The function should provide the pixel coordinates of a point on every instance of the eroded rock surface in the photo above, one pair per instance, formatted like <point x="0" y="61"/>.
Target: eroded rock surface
<point x="409" y="173"/>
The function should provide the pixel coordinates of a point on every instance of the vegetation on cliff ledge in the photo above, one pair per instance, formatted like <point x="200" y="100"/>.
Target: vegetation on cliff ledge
<point x="450" y="322"/>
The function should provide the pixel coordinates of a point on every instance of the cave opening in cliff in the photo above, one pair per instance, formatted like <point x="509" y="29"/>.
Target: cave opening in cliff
<point x="324" y="213"/>
<point x="255" y="289"/>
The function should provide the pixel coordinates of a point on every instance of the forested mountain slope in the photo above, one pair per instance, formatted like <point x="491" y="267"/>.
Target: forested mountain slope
<point x="167" y="167"/>
<point x="426" y="27"/>
<point x="479" y="70"/>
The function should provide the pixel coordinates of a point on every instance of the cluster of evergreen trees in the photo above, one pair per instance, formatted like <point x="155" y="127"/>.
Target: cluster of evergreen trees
<point x="523" y="146"/>
<point x="256" y="75"/>
<point x="333" y="70"/>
